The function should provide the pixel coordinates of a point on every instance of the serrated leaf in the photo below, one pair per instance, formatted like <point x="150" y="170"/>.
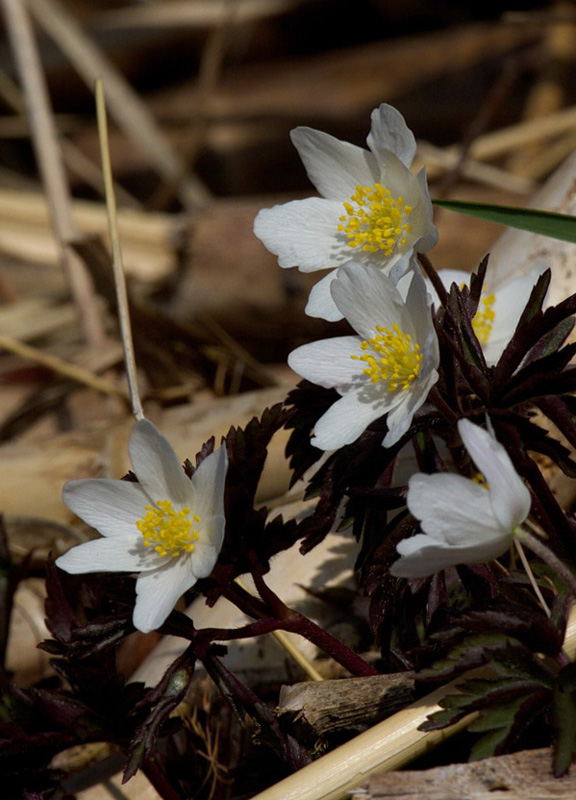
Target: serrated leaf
<point x="503" y="723"/>
<point x="546" y="223"/>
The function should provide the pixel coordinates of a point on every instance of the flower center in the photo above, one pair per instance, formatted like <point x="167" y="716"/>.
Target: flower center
<point x="168" y="531"/>
<point x="484" y="318"/>
<point x="479" y="478"/>
<point x="395" y="358"/>
<point x="376" y="221"/>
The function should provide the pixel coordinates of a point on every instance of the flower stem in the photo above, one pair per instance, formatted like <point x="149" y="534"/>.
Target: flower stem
<point x="330" y="645"/>
<point x="542" y="551"/>
<point x="291" y="621"/>
<point x="435" y="279"/>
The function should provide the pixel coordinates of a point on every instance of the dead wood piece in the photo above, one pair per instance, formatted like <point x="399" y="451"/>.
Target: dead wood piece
<point x="520" y="776"/>
<point x="321" y="711"/>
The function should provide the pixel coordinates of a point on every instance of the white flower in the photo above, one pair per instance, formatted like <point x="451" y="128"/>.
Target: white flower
<point x="463" y="521"/>
<point x="371" y="209"/>
<point x="388" y="368"/>
<point x="166" y="527"/>
<point x="499" y="310"/>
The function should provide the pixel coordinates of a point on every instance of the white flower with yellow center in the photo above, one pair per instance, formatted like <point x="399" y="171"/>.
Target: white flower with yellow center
<point x="464" y="521"/>
<point x="499" y="309"/>
<point x="388" y="368"/>
<point x="372" y="208"/>
<point x="168" y="528"/>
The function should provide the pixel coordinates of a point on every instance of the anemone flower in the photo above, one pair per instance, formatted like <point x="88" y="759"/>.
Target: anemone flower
<point x="499" y="310"/>
<point x="167" y="528"/>
<point x="387" y="368"/>
<point x="372" y="208"/>
<point x="464" y="521"/>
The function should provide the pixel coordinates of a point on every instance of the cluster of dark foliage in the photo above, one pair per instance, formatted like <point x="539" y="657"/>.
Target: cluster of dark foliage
<point x="481" y="617"/>
<point x="467" y="617"/>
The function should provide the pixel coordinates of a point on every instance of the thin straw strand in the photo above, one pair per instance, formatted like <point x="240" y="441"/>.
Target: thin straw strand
<point x="117" y="263"/>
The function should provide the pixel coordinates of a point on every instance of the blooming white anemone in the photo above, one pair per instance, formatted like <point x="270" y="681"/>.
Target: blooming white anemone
<point x="499" y="310"/>
<point x="166" y="527"/>
<point x="372" y="208"/>
<point x="388" y="368"/>
<point x="464" y="522"/>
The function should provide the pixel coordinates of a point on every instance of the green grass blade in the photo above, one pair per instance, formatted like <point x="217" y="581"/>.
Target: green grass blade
<point x="547" y="223"/>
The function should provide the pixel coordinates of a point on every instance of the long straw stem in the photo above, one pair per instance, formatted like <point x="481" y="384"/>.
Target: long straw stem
<point x="117" y="262"/>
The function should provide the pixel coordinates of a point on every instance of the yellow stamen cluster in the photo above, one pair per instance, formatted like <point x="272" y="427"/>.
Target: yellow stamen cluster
<point x="168" y="531"/>
<point x="395" y="358"/>
<point x="376" y="221"/>
<point x="479" y="478"/>
<point x="484" y="318"/>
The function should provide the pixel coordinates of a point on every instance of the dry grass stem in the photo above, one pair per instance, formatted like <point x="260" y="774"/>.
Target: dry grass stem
<point x="439" y="160"/>
<point x="60" y="366"/>
<point x="45" y="142"/>
<point x="208" y="74"/>
<point x="117" y="262"/>
<point x="194" y="13"/>
<point x="74" y="158"/>
<point x="531" y="578"/>
<point x="128" y="109"/>
<point x="500" y="142"/>
<point x="147" y="237"/>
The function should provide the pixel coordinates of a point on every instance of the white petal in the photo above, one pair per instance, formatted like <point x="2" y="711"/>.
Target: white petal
<point x="397" y="178"/>
<point x="304" y="233"/>
<point x="335" y="168"/>
<point x="348" y="417"/>
<point x="418" y="305"/>
<point x="157" y="468"/>
<point x="329" y="362"/>
<point x="368" y="298"/>
<point x="157" y="592"/>
<point x="208" y="481"/>
<point x="401" y="267"/>
<point x="509" y="496"/>
<point x="320" y="302"/>
<point x="457" y="276"/>
<point x="509" y="302"/>
<point x="205" y="554"/>
<point x="408" y="402"/>
<point x="110" y="506"/>
<point x="390" y="132"/>
<point x="453" y="509"/>
<point x="422" y="555"/>
<point x="118" y="554"/>
<point x="424" y="217"/>
<point x="448" y="277"/>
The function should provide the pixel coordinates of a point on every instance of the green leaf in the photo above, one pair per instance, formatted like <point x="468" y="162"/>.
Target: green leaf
<point x="564" y="709"/>
<point x="547" y="223"/>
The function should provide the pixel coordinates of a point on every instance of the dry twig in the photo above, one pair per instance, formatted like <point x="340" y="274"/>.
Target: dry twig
<point x="45" y="142"/>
